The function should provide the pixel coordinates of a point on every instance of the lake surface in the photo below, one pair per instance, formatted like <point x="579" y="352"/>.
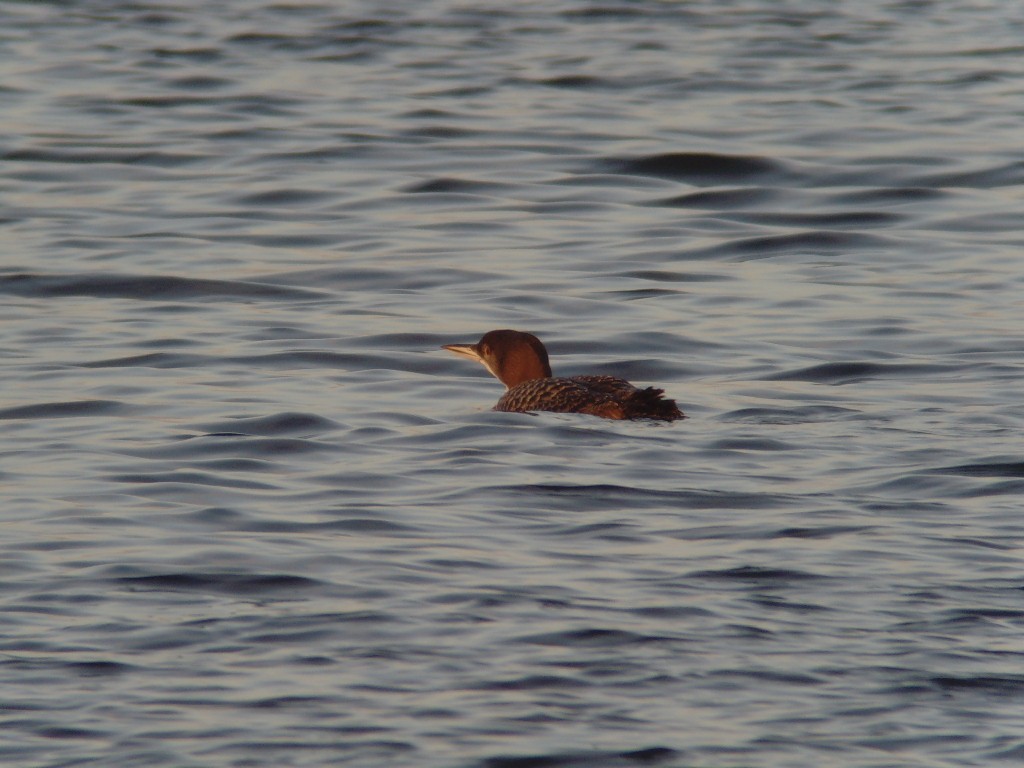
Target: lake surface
<point x="252" y="515"/>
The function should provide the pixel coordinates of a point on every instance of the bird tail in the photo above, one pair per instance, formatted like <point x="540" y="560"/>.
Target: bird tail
<point x="651" y="403"/>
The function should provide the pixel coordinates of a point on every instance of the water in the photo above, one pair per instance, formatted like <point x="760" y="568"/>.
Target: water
<point x="254" y="516"/>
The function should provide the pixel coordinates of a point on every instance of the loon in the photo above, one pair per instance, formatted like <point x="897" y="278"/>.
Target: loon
<point x="520" y="362"/>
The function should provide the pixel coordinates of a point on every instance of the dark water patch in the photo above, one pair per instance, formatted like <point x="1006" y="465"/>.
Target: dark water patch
<point x="169" y="101"/>
<point x="751" y="574"/>
<point x="1001" y="546"/>
<point x="294" y="702"/>
<point x="719" y="199"/>
<point x="357" y="525"/>
<point x="448" y="184"/>
<point x="181" y="477"/>
<point x="73" y="408"/>
<point x="221" y="583"/>
<point x="666" y="276"/>
<point x="315" y="155"/>
<point x="198" y="55"/>
<point x="752" y="444"/>
<point x="431" y="113"/>
<point x="217" y="516"/>
<point x="151" y="360"/>
<point x="390" y="423"/>
<point x="98" y="668"/>
<point x="568" y="208"/>
<point x="1006" y="488"/>
<point x="574" y="82"/>
<point x="831" y="219"/>
<point x="808" y="414"/>
<point x="274" y="40"/>
<point x="610" y="11"/>
<point x="237" y="464"/>
<point x="985" y="223"/>
<point x="609" y="496"/>
<point x="247" y="134"/>
<point x="852" y="372"/>
<point x="200" y="83"/>
<point x="992" y="177"/>
<point x="981" y="77"/>
<point x="369" y="751"/>
<point x="450" y="564"/>
<point x="368" y="279"/>
<point x="275" y="425"/>
<point x="889" y="328"/>
<point x="157" y="159"/>
<point x="305" y="240"/>
<point x="984" y="469"/>
<point x="967" y="616"/>
<point x="1009" y="751"/>
<point x="590" y="759"/>
<point x="609" y="181"/>
<point x="812" y="242"/>
<point x="294" y="637"/>
<point x="603" y="531"/>
<point x="672" y="612"/>
<point x="638" y="294"/>
<point x="233" y="444"/>
<point x="701" y="168"/>
<point x="595" y="637"/>
<point x="144" y="287"/>
<point x="786" y="605"/>
<point x="284" y="198"/>
<point x="887" y="196"/>
<point x="66" y="732"/>
<point x="483" y="432"/>
<point x="768" y="676"/>
<point x="911" y="294"/>
<point x="820" y="532"/>
<point x="994" y="685"/>
<point x="167" y="343"/>
<point x="534" y="683"/>
<point x="442" y="132"/>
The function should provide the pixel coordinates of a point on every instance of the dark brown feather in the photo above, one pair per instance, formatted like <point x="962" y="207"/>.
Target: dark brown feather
<point x="604" y="396"/>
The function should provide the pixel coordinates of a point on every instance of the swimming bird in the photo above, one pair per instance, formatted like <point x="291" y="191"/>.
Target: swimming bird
<point x="520" y="362"/>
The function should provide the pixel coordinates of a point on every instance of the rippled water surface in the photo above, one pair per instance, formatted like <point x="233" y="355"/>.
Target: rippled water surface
<point x="252" y="515"/>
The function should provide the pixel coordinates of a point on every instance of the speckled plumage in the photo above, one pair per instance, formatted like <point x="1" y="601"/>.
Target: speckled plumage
<point x="520" y="361"/>
<point x="604" y="396"/>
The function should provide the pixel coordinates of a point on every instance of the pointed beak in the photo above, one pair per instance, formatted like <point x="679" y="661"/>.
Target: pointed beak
<point x="466" y="350"/>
